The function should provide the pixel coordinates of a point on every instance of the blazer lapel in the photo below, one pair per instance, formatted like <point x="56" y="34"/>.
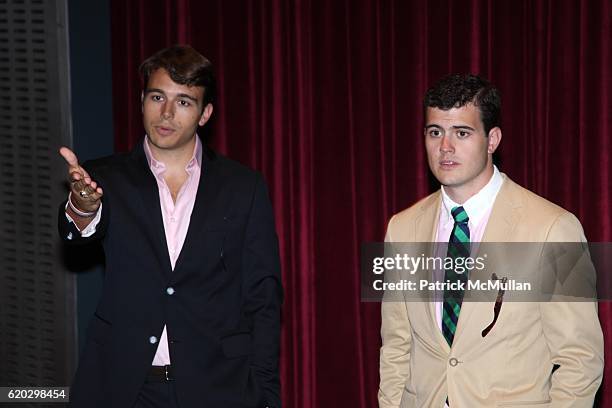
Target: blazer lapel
<point x="209" y="189"/>
<point x="505" y="215"/>
<point x="426" y="224"/>
<point x="147" y="188"/>
<point x="426" y="227"/>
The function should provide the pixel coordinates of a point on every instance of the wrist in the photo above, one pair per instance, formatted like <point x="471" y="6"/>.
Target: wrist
<point x="80" y="213"/>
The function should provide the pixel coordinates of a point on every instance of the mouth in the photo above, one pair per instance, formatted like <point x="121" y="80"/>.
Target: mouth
<point x="163" y="130"/>
<point x="448" y="164"/>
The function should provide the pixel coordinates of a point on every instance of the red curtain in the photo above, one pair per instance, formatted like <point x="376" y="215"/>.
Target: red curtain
<point x="324" y="97"/>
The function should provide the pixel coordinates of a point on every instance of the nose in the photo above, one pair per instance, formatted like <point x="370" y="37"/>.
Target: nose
<point x="446" y="145"/>
<point x="167" y="111"/>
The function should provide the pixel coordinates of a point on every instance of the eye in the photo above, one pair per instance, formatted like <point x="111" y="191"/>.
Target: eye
<point x="156" y="98"/>
<point x="462" y="134"/>
<point x="184" y="103"/>
<point x="434" y="133"/>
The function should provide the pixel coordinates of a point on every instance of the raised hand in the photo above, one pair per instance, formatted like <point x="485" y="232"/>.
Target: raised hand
<point x="85" y="193"/>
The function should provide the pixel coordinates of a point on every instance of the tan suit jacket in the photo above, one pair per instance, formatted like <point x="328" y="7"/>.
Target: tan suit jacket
<point x="513" y="364"/>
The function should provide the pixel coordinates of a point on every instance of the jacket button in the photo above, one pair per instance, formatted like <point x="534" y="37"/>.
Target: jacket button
<point x="152" y="339"/>
<point x="170" y="290"/>
<point x="453" y="362"/>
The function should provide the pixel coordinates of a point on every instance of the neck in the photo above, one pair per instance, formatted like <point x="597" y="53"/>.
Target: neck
<point x="175" y="158"/>
<point x="458" y="196"/>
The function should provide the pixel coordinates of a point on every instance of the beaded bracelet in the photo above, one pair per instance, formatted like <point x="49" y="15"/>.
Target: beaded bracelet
<point x="84" y="214"/>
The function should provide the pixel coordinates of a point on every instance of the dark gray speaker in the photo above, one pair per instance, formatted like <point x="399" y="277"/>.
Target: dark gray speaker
<point x="37" y="294"/>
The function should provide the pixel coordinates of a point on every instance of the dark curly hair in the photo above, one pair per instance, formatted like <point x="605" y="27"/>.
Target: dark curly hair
<point x="185" y="66"/>
<point x="457" y="90"/>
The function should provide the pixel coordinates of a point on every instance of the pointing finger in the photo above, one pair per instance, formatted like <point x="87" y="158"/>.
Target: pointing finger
<point x="69" y="156"/>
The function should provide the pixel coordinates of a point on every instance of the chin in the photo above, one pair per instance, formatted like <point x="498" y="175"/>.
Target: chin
<point x="446" y="179"/>
<point x="162" y="142"/>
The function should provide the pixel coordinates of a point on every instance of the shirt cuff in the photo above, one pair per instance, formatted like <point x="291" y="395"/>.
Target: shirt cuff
<point x="89" y="230"/>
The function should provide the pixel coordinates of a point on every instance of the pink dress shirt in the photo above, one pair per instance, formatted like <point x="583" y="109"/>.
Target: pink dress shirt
<point x="176" y="217"/>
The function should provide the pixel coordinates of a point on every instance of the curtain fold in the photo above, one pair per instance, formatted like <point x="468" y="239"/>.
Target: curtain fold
<point x="324" y="98"/>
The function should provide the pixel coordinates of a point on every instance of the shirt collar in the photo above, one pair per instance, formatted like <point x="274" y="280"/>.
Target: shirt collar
<point x="477" y="205"/>
<point x="158" y="168"/>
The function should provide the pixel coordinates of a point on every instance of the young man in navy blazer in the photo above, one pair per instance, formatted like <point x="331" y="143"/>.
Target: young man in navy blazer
<point x="190" y="312"/>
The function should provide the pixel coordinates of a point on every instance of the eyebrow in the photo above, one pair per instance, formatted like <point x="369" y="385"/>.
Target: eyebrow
<point x="181" y="95"/>
<point x="463" y="127"/>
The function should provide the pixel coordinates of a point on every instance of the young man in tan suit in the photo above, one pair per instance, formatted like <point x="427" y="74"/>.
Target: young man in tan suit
<point x="537" y="354"/>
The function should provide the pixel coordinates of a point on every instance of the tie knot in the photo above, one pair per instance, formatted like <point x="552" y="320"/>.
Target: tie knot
<point x="459" y="215"/>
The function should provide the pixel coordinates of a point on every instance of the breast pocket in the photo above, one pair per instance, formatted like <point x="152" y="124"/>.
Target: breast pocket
<point x="226" y="223"/>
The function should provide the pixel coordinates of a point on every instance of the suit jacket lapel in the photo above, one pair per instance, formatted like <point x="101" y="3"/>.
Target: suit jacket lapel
<point x="426" y="227"/>
<point x="505" y="215"/>
<point x="209" y="187"/>
<point x="426" y="224"/>
<point x="147" y="188"/>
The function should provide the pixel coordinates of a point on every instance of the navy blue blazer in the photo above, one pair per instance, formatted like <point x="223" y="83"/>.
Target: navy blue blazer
<point x="223" y="311"/>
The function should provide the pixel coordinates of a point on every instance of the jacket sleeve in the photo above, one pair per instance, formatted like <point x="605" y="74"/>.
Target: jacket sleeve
<point x="263" y="293"/>
<point x="573" y="333"/>
<point x="396" y="343"/>
<point x="69" y="232"/>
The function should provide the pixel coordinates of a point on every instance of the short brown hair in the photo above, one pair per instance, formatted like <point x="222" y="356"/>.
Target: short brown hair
<point x="185" y="66"/>
<point x="457" y="90"/>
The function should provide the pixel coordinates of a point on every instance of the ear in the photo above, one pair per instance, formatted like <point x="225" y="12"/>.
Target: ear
<point x="206" y="114"/>
<point x="142" y="101"/>
<point x="495" y="136"/>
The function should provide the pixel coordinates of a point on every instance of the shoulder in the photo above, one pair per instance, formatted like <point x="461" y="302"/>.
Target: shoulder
<point x="554" y="221"/>
<point x="418" y="208"/>
<point x="533" y="205"/>
<point x="232" y="172"/>
<point x="530" y="200"/>
<point x="405" y="220"/>
<point x="231" y="167"/>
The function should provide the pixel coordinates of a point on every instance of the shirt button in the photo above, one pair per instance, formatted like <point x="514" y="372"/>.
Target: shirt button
<point x="453" y="362"/>
<point x="152" y="339"/>
<point x="170" y="291"/>
<point x="172" y="219"/>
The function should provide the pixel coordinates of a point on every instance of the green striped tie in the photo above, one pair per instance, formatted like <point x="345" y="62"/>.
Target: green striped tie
<point x="458" y="247"/>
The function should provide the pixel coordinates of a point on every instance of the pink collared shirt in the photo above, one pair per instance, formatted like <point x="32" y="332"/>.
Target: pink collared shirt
<point x="176" y="217"/>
